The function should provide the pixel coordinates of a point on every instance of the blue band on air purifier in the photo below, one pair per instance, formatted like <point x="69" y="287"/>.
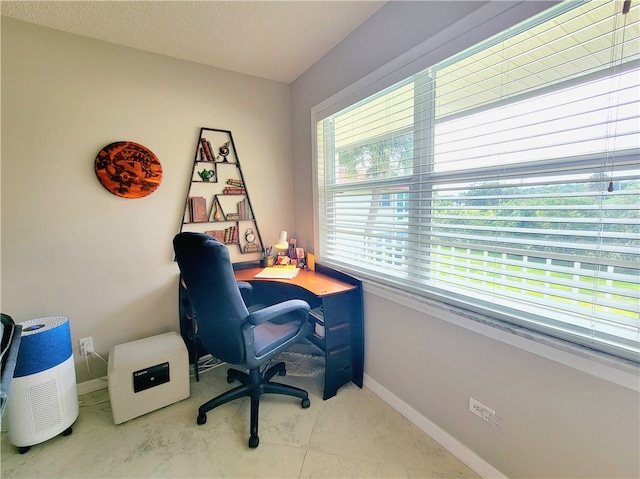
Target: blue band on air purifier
<point x="45" y="343"/>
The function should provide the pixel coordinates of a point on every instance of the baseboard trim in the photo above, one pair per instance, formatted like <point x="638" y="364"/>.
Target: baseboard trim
<point x="446" y="440"/>
<point x="92" y="385"/>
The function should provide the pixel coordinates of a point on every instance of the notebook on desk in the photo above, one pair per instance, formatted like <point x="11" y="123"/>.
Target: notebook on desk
<point x="278" y="273"/>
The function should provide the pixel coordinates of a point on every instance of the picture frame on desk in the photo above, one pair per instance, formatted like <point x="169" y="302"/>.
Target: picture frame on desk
<point x="300" y="258"/>
<point x="293" y="244"/>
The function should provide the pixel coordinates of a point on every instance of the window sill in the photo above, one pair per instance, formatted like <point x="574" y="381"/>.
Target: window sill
<point x="615" y="370"/>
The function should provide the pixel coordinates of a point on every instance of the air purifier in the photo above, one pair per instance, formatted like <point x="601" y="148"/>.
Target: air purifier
<point x="43" y="400"/>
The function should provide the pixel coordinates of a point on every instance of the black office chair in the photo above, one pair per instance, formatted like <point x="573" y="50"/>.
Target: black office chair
<point x="231" y="332"/>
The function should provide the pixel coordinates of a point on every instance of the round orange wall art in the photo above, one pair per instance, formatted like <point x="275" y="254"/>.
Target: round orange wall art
<point x="128" y="169"/>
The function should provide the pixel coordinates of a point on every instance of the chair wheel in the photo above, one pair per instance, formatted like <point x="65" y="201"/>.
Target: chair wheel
<point x="67" y="431"/>
<point x="202" y="419"/>
<point x="230" y="379"/>
<point x="23" y="449"/>
<point x="282" y="372"/>
<point x="253" y="442"/>
<point x="306" y="403"/>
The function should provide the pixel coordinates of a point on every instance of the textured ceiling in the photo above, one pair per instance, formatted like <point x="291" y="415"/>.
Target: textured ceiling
<point x="277" y="40"/>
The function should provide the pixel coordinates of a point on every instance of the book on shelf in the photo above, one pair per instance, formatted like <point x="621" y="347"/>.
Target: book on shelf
<point x="205" y="147"/>
<point x="233" y="216"/>
<point x="242" y="209"/>
<point x="188" y="215"/>
<point x="234" y="182"/>
<point x="251" y="248"/>
<point x="231" y="234"/>
<point x="231" y="190"/>
<point x="198" y="208"/>
<point x="217" y="234"/>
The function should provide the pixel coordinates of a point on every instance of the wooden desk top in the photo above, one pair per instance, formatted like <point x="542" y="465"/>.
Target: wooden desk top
<point x="314" y="282"/>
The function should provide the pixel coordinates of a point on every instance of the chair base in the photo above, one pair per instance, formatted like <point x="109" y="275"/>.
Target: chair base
<point x="253" y="385"/>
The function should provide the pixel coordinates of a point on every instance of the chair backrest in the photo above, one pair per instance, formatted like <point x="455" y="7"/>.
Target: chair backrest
<point x="220" y="312"/>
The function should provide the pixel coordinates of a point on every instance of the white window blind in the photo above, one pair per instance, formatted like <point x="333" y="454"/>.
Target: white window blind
<point x="504" y="180"/>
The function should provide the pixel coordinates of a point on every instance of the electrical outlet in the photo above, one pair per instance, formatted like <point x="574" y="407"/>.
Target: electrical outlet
<point x="86" y="345"/>
<point x="479" y="409"/>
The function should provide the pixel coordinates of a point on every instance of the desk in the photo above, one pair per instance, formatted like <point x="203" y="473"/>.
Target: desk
<point x="336" y="301"/>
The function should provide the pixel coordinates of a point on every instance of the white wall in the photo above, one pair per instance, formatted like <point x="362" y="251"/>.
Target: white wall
<point x="71" y="248"/>
<point x="558" y="421"/>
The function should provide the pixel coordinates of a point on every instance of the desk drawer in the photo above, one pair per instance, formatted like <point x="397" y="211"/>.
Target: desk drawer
<point x="337" y="335"/>
<point x="338" y="358"/>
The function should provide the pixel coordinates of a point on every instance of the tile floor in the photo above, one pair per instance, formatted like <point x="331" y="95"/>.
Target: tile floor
<point x="352" y="435"/>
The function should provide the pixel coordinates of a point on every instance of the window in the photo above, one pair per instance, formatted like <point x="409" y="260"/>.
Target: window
<point x="504" y="180"/>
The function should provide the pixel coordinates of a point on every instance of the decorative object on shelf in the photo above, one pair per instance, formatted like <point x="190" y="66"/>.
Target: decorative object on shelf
<point x="217" y="214"/>
<point x="250" y="237"/>
<point x="206" y="175"/>
<point x="224" y="152"/>
<point x="128" y="169"/>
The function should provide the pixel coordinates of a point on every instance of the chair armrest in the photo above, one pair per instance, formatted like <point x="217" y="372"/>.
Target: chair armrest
<point x="277" y="310"/>
<point x="246" y="290"/>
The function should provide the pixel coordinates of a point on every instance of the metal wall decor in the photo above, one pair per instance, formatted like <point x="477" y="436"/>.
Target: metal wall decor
<point x="128" y="169"/>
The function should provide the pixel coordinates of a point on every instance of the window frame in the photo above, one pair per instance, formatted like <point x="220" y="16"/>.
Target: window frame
<point x="373" y="79"/>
